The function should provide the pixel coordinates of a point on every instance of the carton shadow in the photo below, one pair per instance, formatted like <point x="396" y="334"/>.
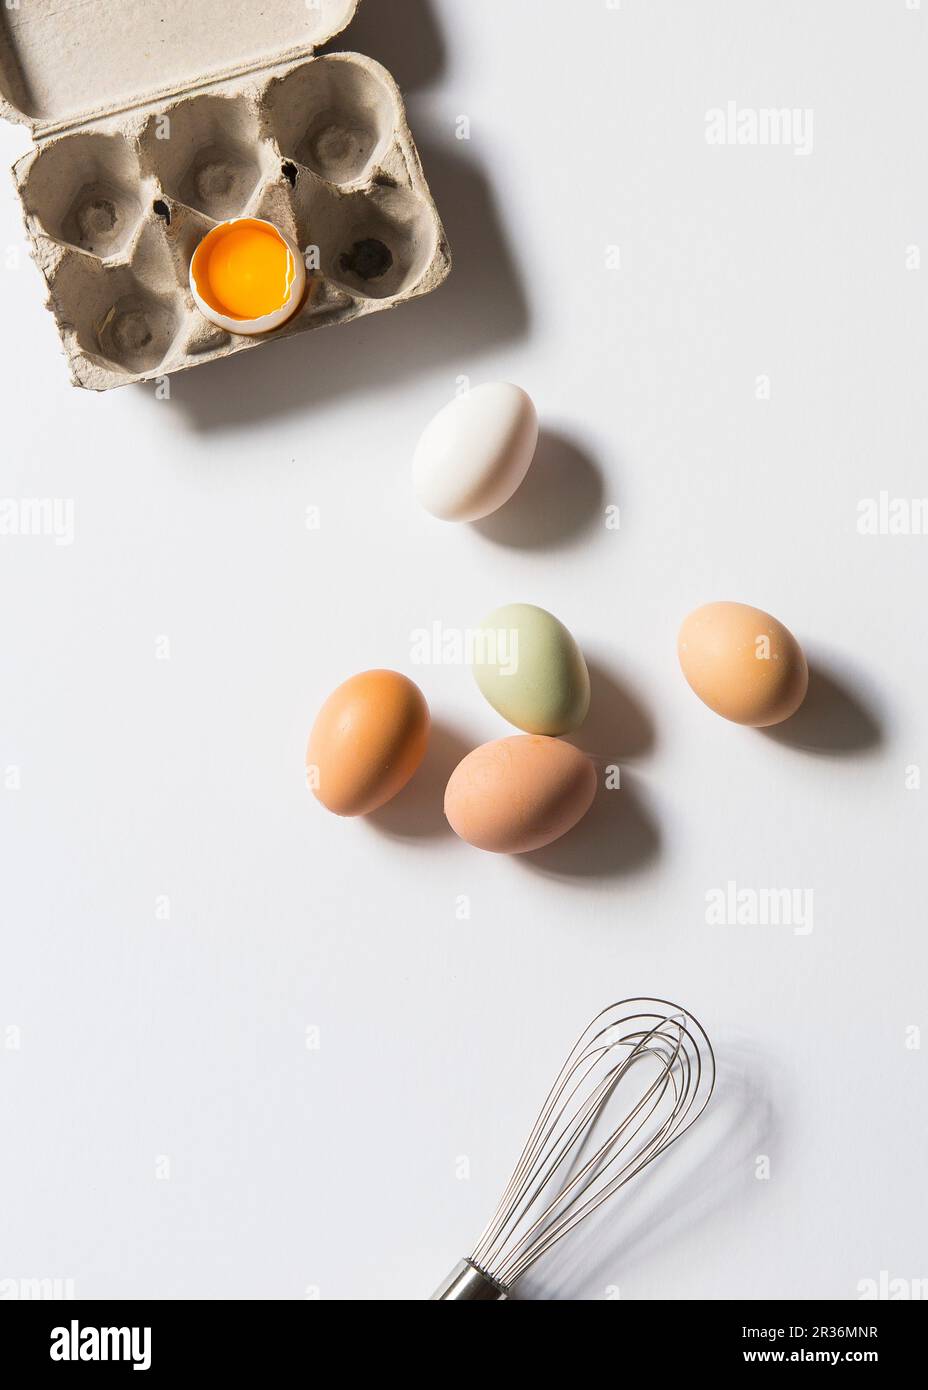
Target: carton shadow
<point x="14" y="84"/>
<point x="558" y="501"/>
<point x="832" y="721"/>
<point x="481" y="304"/>
<point x="417" y="813"/>
<point x="404" y="36"/>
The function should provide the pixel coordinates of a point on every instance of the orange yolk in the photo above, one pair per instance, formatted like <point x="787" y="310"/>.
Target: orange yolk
<point x="244" y="271"/>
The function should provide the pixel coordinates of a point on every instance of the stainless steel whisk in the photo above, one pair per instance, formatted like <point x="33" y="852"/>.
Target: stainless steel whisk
<point x="555" y="1185"/>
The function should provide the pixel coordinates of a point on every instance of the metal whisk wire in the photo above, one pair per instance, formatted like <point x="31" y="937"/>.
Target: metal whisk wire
<point x="624" y="1036"/>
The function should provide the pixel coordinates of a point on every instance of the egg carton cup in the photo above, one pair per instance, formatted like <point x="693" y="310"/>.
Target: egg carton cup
<point x="116" y="202"/>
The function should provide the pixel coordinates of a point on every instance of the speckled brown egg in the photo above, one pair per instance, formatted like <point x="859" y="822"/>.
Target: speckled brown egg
<point x="743" y="664"/>
<point x="517" y="794"/>
<point x="367" y="742"/>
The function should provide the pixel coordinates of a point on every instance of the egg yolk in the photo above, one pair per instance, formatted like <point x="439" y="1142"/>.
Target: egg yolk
<point x="244" y="270"/>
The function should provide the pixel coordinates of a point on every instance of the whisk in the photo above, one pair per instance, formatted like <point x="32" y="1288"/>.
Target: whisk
<point x="652" y="1060"/>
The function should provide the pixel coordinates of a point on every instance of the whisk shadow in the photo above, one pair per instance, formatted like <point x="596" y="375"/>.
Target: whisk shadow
<point x="739" y="1123"/>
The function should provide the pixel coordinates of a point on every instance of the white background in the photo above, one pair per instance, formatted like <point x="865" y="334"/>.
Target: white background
<point x="337" y="1169"/>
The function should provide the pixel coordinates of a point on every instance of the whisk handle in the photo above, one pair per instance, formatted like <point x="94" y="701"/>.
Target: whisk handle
<point x="468" y="1284"/>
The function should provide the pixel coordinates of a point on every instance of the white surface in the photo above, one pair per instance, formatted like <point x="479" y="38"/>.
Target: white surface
<point x="335" y="1169"/>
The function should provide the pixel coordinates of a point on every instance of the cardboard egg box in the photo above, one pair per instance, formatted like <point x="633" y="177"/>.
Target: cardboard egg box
<point x="155" y="119"/>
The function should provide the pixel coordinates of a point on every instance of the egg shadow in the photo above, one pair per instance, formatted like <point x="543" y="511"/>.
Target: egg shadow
<point x="682" y="1193"/>
<point x="417" y="813"/>
<point x="832" y="721"/>
<point x="617" y="836"/>
<point x="559" y="500"/>
<point x="618" y="725"/>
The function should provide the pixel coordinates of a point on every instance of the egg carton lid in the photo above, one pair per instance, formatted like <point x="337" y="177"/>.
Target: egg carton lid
<point x="64" y="63"/>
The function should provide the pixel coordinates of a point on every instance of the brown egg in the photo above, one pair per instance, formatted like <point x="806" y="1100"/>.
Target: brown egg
<point x="743" y="664"/>
<point x="517" y="794"/>
<point x="369" y="739"/>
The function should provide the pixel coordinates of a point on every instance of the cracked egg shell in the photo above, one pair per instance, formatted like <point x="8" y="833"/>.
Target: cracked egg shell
<point x="247" y="277"/>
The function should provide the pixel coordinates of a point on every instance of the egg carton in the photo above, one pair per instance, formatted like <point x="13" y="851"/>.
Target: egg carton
<point x="154" y="122"/>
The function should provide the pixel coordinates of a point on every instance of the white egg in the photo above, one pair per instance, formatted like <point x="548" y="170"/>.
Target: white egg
<point x="238" y="268"/>
<point x="475" y="452"/>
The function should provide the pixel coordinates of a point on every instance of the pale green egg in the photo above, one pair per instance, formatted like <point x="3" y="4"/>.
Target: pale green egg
<point x="531" y="670"/>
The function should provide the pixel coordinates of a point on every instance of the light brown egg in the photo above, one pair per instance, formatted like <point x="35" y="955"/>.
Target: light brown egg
<point x="518" y="794"/>
<point x="369" y="739"/>
<point x="743" y="664"/>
